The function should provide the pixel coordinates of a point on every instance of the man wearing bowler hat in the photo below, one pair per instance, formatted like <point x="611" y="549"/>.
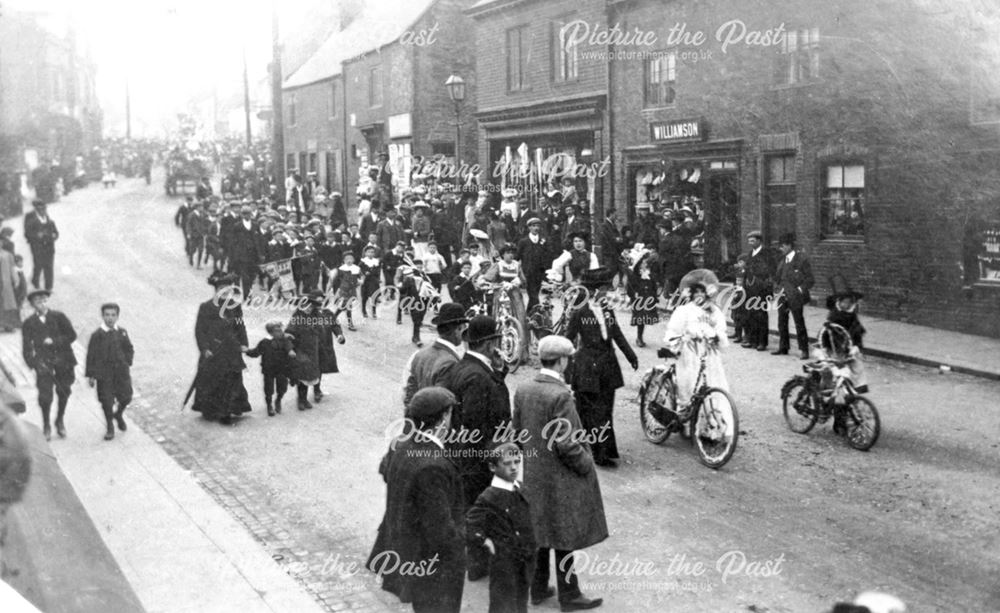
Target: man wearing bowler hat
<point x="482" y="410"/>
<point x="560" y="483"/>
<point x="426" y="364"/>
<point x="793" y="280"/>
<point x="41" y="234"/>
<point x="47" y="346"/>
<point x="424" y="522"/>
<point x="760" y="269"/>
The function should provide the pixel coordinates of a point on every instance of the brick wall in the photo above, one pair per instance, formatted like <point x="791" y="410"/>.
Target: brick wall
<point x="890" y="97"/>
<point x="313" y="122"/>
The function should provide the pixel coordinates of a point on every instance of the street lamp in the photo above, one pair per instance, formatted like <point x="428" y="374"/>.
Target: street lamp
<point x="456" y="91"/>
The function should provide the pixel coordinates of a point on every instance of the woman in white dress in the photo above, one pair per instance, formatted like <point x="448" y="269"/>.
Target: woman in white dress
<point x="696" y="327"/>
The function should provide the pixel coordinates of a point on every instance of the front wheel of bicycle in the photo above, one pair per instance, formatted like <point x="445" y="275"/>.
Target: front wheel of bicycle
<point x="511" y="342"/>
<point x="798" y="404"/>
<point x="657" y="394"/>
<point x="863" y="424"/>
<point x="716" y="428"/>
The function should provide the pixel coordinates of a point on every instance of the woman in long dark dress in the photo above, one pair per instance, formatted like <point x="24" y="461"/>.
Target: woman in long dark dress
<point x="643" y="293"/>
<point x="222" y="339"/>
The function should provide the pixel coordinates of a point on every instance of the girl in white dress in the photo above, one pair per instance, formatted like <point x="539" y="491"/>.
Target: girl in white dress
<point x="696" y="327"/>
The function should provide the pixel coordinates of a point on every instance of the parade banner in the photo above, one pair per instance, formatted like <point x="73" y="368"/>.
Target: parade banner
<point x="281" y="271"/>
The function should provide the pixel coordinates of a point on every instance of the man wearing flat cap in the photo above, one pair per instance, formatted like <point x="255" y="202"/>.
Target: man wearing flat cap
<point x="424" y="523"/>
<point x="426" y="364"/>
<point x="535" y="255"/>
<point x="560" y="482"/>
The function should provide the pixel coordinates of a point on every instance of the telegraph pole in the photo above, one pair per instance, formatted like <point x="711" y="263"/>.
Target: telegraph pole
<point x="246" y="97"/>
<point x="277" y="113"/>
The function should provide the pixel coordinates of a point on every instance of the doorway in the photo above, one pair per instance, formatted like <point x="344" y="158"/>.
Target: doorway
<point x="722" y="221"/>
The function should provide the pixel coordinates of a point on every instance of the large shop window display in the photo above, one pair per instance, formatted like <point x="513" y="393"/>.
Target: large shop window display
<point x="556" y="173"/>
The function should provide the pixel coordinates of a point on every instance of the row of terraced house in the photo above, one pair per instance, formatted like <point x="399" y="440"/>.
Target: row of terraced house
<point x="871" y="134"/>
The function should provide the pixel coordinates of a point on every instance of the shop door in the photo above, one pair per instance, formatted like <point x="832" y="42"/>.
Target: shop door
<point x="722" y="221"/>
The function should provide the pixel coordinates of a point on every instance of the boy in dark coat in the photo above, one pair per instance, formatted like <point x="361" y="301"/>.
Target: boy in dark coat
<point x="109" y="358"/>
<point x="275" y="355"/>
<point x="500" y="522"/>
<point x="47" y="347"/>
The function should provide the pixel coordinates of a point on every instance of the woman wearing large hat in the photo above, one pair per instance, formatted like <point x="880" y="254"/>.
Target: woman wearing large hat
<point x="219" y="393"/>
<point x="595" y="373"/>
<point x="571" y="265"/>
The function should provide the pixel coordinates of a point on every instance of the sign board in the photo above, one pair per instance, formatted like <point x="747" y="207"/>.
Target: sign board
<point x="281" y="271"/>
<point x="680" y="130"/>
<point x="399" y="126"/>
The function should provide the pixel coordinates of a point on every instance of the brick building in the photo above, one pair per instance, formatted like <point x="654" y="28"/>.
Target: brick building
<point x="872" y="134"/>
<point x="388" y="70"/>
<point x="313" y="102"/>
<point x="542" y="95"/>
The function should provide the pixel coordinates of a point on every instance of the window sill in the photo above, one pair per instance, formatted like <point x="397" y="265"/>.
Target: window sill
<point x="843" y="240"/>
<point x="987" y="284"/>
<point x="651" y="109"/>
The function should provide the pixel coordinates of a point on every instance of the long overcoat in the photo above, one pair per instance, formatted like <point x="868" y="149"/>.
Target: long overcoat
<point x="560" y="481"/>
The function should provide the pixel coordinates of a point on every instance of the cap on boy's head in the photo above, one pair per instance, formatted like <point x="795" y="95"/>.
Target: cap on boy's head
<point x="111" y="306"/>
<point x="497" y="453"/>
<point x="428" y="404"/>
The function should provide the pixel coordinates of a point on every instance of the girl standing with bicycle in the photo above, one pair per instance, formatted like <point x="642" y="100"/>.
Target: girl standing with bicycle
<point x="697" y="321"/>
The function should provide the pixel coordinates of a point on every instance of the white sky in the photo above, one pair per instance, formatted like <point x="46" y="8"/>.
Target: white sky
<point x="168" y="49"/>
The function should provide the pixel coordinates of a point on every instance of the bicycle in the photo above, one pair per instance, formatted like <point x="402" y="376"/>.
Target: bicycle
<point x="540" y="317"/>
<point x="511" y="332"/>
<point x="827" y="391"/>
<point x="709" y="420"/>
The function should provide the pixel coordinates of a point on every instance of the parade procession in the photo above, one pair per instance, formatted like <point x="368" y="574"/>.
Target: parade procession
<point x="499" y="305"/>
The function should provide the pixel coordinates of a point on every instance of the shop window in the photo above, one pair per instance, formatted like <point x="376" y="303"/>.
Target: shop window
<point x="661" y="76"/>
<point x="565" y="50"/>
<point x="842" y="205"/>
<point x="303" y="166"/>
<point x="291" y="109"/>
<point x="517" y="58"/>
<point x="986" y="244"/>
<point x="289" y="162"/>
<point x="798" y="61"/>
<point x="779" y="195"/>
<point x="375" y="87"/>
<point x="312" y="163"/>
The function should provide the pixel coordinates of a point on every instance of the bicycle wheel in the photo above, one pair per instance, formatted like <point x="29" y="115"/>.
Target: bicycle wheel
<point x="657" y="394"/>
<point x="799" y="405"/>
<point x="863" y="424"/>
<point x="716" y="428"/>
<point x="511" y="342"/>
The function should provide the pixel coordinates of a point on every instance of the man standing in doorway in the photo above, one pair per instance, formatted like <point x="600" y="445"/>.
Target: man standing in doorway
<point x="41" y="233"/>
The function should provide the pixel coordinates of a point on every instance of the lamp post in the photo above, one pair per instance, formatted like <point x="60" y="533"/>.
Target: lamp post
<point x="456" y="91"/>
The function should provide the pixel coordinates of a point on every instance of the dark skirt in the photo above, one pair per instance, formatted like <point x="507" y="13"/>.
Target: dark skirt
<point x="645" y="311"/>
<point x="596" y="410"/>
<point x="220" y="395"/>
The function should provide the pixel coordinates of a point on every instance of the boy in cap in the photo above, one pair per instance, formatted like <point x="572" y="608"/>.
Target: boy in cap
<point x="276" y="353"/>
<point x="47" y="347"/>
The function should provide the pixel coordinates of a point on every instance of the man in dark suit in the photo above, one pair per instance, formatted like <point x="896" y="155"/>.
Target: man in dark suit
<point x="41" y="234"/>
<point x="228" y="221"/>
<point x="757" y="284"/>
<point x="609" y="237"/>
<point x="47" y="347"/>
<point x="423" y="527"/>
<point x="244" y="252"/>
<point x="482" y="410"/>
<point x="794" y="279"/>
<point x="535" y="255"/>
<point x="573" y="224"/>
<point x="370" y="223"/>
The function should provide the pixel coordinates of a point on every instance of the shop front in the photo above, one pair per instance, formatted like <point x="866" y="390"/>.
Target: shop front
<point x="682" y="170"/>
<point x="543" y="152"/>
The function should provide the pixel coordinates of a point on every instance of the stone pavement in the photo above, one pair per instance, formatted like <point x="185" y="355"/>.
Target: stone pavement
<point x="178" y="548"/>
<point x="895" y="340"/>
